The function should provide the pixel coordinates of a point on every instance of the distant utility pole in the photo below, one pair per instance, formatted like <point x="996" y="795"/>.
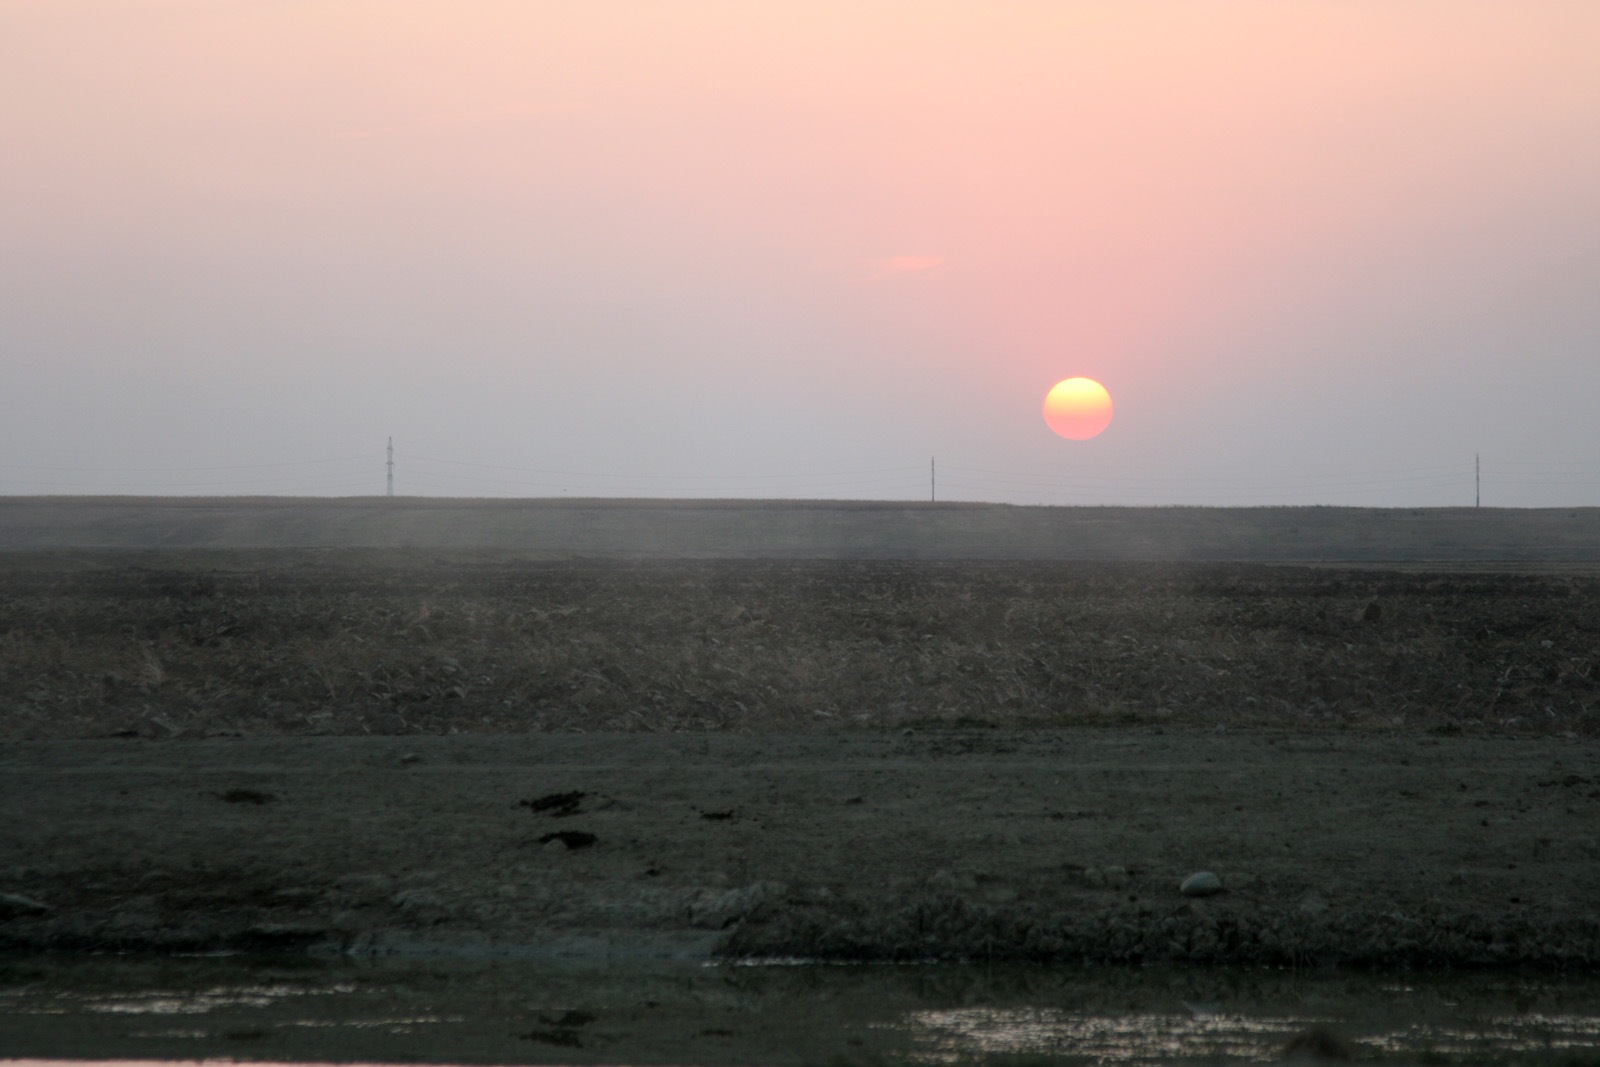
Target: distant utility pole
<point x="391" y="466"/>
<point x="933" y="484"/>
<point x="1477" y="479"/>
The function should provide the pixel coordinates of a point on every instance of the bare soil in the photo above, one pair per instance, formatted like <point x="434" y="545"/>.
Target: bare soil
<point x="807" y="529"/>
<point x="1059" y="844"/>
<point x="206" y="642"/>
<point x="409" y="751"/>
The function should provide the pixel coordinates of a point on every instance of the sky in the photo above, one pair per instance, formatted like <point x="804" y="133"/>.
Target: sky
<point x="1322" y="252"/>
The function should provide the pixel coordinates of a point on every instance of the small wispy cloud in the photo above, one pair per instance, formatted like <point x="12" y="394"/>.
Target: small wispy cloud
<point x="896" y="266"/>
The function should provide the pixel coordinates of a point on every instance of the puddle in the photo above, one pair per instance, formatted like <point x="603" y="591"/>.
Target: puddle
<point x="298" y="1011"/>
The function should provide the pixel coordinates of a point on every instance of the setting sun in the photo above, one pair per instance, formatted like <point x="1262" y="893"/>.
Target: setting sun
<point x="1078" y="408"/>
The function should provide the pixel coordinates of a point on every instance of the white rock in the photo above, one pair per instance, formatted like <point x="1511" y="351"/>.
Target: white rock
<point x="1201" y="884"/>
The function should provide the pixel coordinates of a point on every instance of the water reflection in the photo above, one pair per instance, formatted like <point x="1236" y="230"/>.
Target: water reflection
<point x="277" y="1011"/>
<point x="956" y="1036"/>
<point x="1151" y="1039"/>
<point x="198" y="1002"/>
<point x="1528" y="1034"/>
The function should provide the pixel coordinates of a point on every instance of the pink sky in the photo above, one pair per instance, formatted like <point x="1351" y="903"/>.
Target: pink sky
<point x="1319" y="252"/>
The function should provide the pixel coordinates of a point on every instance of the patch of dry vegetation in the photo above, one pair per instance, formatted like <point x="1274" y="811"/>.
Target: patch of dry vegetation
<point x="395" y="642"/>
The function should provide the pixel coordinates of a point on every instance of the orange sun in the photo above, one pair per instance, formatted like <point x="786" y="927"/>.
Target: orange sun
<point x="1078" y="408"/>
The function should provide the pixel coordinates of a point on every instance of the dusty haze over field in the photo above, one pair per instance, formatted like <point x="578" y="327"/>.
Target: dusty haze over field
<point x="1317" y="252"/>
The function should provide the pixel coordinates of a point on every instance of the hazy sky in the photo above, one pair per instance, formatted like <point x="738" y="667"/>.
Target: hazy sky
<point x="1319" y="252"/>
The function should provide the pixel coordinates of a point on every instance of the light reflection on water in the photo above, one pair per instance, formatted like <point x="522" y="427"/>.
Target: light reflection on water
<point x="463" y="1012"/>
<point x="955" y="1036"/>
<point x="1514" y="1033"/>
<point x="199" y="1002"/>
<point x="963" y="1035"/>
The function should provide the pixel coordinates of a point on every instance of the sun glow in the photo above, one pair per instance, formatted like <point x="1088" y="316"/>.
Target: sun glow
<point x="1078" y="408"/>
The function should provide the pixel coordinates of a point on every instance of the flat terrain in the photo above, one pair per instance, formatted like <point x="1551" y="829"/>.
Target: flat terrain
<point x="471" y="752"/>
<point x="198" y="643"/>
<point x="745" y="529"/>
<point x="597" y="728"/>
<point x="944" y="844"/>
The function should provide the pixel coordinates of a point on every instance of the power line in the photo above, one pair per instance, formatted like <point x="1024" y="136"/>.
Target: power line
<point x="1436" y="484"/>
<point x="677" y="477"/>
<point x="184" y="470"/>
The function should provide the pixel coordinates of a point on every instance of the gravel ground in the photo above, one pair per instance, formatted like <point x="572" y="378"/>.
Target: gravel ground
<point x="1338" y="847"/>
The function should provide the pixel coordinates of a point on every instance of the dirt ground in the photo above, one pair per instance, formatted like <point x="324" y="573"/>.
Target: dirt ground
<point x="199" y="643"/>
<point x="933" y="844"/>
<point x="429" y="753"/>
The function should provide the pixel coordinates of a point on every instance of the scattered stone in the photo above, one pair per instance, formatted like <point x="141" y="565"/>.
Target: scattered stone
<point x="555" y="805"/>
<point x="1094" y="876"/>
<point x="1201" y="884"/>
<point x="1317" y="1044"/>
<point x="421" y="904"/>
<point x="712" y="909"/>
<point x="15" y="906"/>
<point x="246" y="796"/>
<point x="162" y="728"/>
<point x="1313" y="906"/>
<point x="569" y="840"/>
<point x="408" y="758"/>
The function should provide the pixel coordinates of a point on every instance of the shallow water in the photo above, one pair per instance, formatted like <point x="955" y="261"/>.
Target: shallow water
<point x="299" y="1011"/>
